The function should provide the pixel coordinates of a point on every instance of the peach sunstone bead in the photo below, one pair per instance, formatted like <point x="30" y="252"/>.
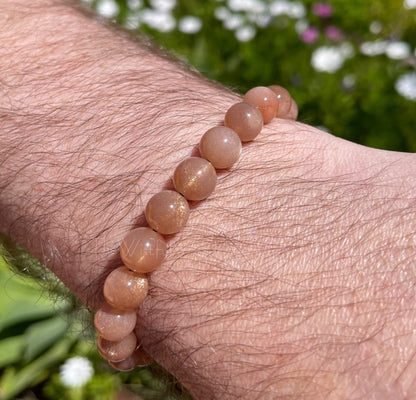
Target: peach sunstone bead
<point x="265" y="100"/>
<point x="138" y="359"/>
<point x="245" y="120"/>
<point x="114" y="324"/>
<point x="195" y="178"/>
<point x="167" y="212"/>
<point x="293" y="112"/>
<point x="143" y="250"/>
<point x="117" y="351"/>
<point x="124" y="289"/>
<point x="221" y="146"/>
<point x="284" y="100"/>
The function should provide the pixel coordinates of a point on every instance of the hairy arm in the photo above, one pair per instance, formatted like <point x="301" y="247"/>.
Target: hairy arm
<point x="295" y="279"/>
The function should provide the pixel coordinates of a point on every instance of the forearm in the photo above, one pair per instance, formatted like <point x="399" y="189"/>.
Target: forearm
<point x="304" y="251"/>
<point x="92" y="125"/>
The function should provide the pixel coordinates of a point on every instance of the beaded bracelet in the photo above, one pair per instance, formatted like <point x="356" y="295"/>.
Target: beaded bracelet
<point x="144" y="248"/>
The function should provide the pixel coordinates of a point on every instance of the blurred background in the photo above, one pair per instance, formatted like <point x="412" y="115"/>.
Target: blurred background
<point x="349" y="64"/>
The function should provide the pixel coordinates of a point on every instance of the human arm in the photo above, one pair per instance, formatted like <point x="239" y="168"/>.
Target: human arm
<point x="294" y="279"/>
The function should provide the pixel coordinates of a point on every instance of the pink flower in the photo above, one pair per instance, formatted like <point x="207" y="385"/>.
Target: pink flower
<point x="334" y="33"/>
<point x="310" y="35"/>
<point x="323" y="10"/>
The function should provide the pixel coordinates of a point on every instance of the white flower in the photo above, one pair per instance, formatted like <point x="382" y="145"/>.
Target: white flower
<point x="222" y="13"/>
<point x="301" y="25"/>
<point x="160" y="20"/>
<point x="296" y="10"/>
<point x="256" y="6"/>
<point x="261" y="20"/>
<point x="163" y="5"/>
<point x="406" y="85"/>
<point x="373" y="48"/>
<point x="134" y="4"/>
<point x="76" y="371"/>
<point x="107" y="8"/>
<point x="347" y="50"/>
<point x="245" y="33"/>
<point x="280" y="7"/>
<point x="190" y="24"/>
<point x="234" y="21"/>
<point x="327" y="59"/>
<point x="398" y="50"/>
<point x="376" y="27"/>
<point x="409" y="4"/>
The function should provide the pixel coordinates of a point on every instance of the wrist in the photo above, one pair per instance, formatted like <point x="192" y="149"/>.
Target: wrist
<point x="285" y="257"/>
<point x="254" y="279"/>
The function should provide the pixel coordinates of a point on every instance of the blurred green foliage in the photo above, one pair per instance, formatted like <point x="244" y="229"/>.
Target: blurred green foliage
<point x="42" y="325"/>
<point x="371" y="113"/>
<point x="32" y="333"/>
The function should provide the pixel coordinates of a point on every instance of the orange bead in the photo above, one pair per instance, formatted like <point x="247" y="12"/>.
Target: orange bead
<point x="117" y="351"/>
<point x="284" y="100"/>
<point x="265" y="100"/>
<point x="245" y="120"/>
<point x="195" y="178"/>
<point x="114" y="324"/>
<point x="143" y="250"/>
<point x="293" y="112"/>
<point x="221" y="146"/>
<point x="167" y="212"/>
<point x="138" y="359"/>
<point x="124" y="289"/>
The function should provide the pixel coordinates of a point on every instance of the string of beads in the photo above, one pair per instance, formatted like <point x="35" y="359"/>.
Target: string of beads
<point x="144" y="249"/>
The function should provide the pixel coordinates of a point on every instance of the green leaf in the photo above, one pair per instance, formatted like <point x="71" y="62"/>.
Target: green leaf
<point x="13" y="382"/>
<point x="11" y="349"/>
<point x="39" y="336"/>
<point x="21" y="299"/>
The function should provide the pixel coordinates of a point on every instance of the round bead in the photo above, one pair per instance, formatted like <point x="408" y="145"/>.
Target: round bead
<point x="167" y="212"/>
<point x="293" y="112"/>
<point x="143" y="250"/>
<point x="113" y="324"/>
<point x="117" y="351"/>
<point x="124" y="289"/>
<point x="265" y="100"/>
<point x="138" y="359"/>
<point x="245" y="120"/>
<point x="284" y="100"/>
<point x="195" y="178"/>
<point x="221" y="146"/>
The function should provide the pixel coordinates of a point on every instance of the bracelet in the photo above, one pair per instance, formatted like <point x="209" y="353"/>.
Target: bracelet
<point x="144" y="248"/>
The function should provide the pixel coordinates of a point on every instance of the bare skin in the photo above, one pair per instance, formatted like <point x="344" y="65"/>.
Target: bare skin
<point x="295" y="279"/>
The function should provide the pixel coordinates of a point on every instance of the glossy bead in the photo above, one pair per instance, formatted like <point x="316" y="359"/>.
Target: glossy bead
<point x="221" y="146"/>
<point x="245" y="120"/>
<point x="293" y="112"/>
<point x="167" y="212"/>
<point x="284" y="100"/>
<point x="113" y="324"/>
<point x="124" y="289"/>
<point x="117" y="351"/>
<point x="138" y="359"/>
<point x="143" y="250"/>
<point x="265" y="100"/>
<point x="195" y="178"/>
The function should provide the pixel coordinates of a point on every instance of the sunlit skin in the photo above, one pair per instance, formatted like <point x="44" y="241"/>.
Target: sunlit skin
<point x="294" y="279"/>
